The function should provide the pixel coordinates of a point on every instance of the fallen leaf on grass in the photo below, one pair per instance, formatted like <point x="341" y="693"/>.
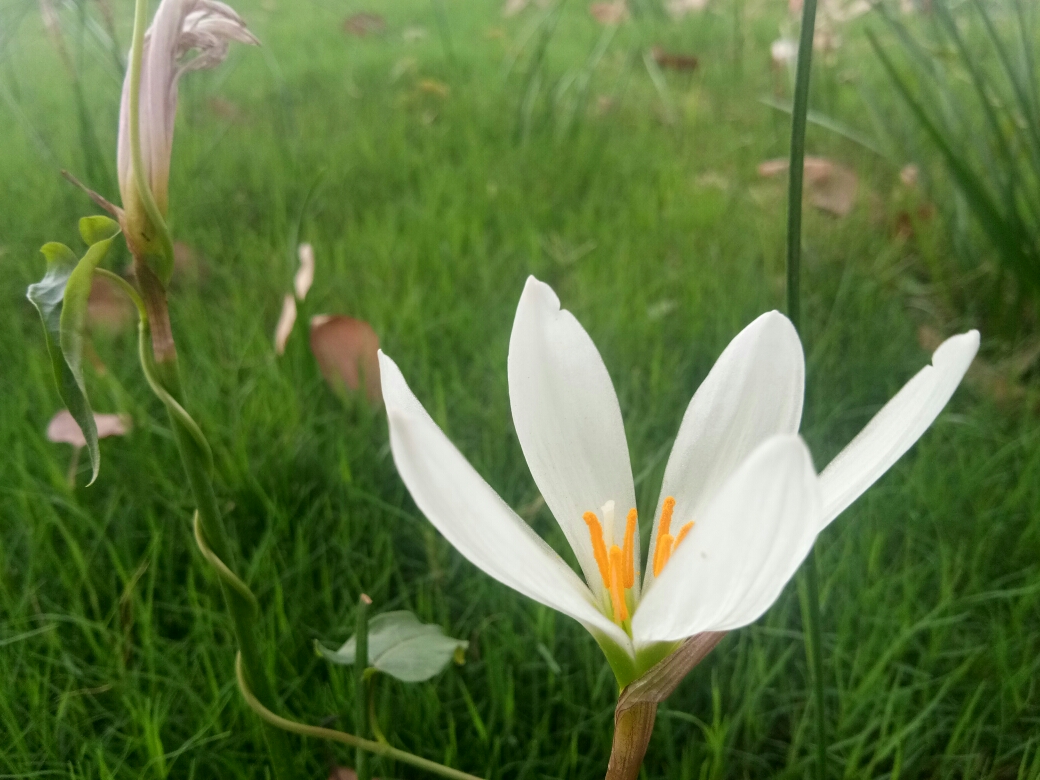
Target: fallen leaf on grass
<point x="614" y="12"/>
<point x="286" y="321"/>
<point x="679" y="8"/>
<point x="305" y="274"/>
<point x="347" y="353"/>
<point x="434" y="87"/>
<point x="108" y="308"/>
<point x="906" y="221"/>
<point x="513" y="7"/>
<point x="363" y="24"/>
<point x="673" y="61"/>
<point x="63" y="429"/>
<point x="783" y="52"/>
<point x="909" y="175"/>
<point x="830" y="187"/>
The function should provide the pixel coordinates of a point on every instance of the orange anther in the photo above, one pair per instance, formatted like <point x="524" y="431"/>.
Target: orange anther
<point x="661" y="552"/>
<point x="599" y="549"/>
<point x="629" y="551"/>
<point x="617" y="584"/>
<point x="664" y="550"/>
<point x="682" y="535"/>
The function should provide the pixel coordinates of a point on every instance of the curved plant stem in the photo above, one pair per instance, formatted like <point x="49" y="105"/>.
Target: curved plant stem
<point x="198" y="463"/>
<point x="161" y="369"/>
<point x="215" y="546"/>
<point x="811" y="602"/>
<point x="360" y="667"/>
<point x="373" y="719"/>
<point x="229" y="576"/>
<point x="376" y="748"/>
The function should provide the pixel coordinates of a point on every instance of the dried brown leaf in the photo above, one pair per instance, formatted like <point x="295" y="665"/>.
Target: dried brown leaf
<point x="680" y="8"/>
<point x="363" y="24"/>
<point x="672" y="61"/>
<point x="63" y="429"/>
<point x="347" y="353"/>
<point x="108" y="308"/>
<point x="829" y="186"/>
<point x="286" y="321"/>
<point x="305" y="274"/>
<point x="909" y="175"/>
<point x="614" y="12"/>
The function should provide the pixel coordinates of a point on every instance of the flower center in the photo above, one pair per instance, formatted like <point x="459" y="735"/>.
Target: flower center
<point x="617" y="565"/>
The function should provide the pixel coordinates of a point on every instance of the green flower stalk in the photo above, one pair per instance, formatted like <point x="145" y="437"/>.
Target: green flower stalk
<point x="149" y="106"/>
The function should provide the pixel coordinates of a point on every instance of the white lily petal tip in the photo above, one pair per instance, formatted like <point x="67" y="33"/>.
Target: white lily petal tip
<point x="959" y="347"/>
<point x="540" y="294"/>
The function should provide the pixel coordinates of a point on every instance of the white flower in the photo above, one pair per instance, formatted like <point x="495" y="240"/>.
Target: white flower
<point x="740" y="503"/>
<point x="179" y="26"/>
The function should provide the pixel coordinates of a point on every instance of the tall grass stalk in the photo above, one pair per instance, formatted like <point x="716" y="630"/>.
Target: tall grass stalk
<point x="810" y="576"/>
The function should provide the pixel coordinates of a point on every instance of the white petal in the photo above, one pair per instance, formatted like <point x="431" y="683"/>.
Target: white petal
<point x="568" y="421"/>
<point x="749" y="542"/>
<point x="473" y="518"/>
<point x="897" y="426"/>
<point x="753" y="392"/>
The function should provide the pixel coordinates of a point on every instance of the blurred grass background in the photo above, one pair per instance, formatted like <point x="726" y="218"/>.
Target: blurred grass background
<point x="447" y="158"/>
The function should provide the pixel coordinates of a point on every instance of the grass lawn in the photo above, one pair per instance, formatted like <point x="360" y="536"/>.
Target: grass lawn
<point x="434" y="167"/>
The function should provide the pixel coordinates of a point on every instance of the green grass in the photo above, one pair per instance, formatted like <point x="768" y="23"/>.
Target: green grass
<point x="116" y="655"/>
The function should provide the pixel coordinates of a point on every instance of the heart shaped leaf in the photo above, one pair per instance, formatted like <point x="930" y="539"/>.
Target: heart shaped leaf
<point x="401" y="646"/>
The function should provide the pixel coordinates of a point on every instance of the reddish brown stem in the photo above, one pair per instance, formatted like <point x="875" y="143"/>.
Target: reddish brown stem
<point x="632" y="730"/>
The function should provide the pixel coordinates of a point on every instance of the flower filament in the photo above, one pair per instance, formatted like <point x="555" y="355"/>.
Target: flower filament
<point x="617" y="565"/>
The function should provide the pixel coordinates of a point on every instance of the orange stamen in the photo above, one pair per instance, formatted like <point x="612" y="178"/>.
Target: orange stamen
<point x="682" y="535"/>
<point x="617" y="584"/>
<point x="664" y="550"/>
<point x="660" y="552"/>
<point x="629" y="552"/>
<point x="599" y="549"/>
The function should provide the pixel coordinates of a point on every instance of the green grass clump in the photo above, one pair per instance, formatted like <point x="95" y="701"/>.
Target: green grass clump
<point x="645" y="213"/>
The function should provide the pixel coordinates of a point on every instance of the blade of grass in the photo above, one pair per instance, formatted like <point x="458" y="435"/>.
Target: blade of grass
<point x="809" y="574"/>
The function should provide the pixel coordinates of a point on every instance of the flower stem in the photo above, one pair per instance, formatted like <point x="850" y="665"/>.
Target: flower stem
<point x="796" y="178"/>
<point x="164" y="380"/>
<point x="814" y="655"/>
<point x="386" y="751"/>
<point x="158" y="357"/>
<point x="811" y="602"/>
<point x="360" y="665"/>
<point x="212" y="535"/>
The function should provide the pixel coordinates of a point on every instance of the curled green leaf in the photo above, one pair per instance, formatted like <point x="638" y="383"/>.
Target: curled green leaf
<point x="61" y="299"/>
<point x="401" y="646"/>
<point x="97" y="228"/>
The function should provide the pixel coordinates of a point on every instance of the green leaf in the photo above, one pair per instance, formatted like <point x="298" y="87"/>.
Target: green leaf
<point x="97" y="229"/>
<point x="61" y="299"/>
<point x="401" y="646"/>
